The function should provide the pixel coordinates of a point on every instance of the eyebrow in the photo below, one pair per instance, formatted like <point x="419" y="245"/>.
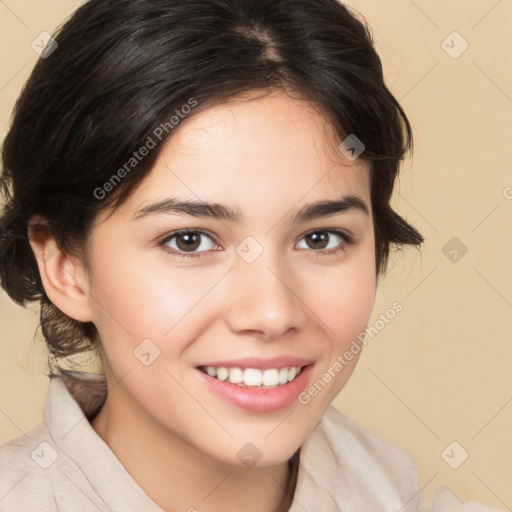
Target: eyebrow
<point x="220" y="212"/>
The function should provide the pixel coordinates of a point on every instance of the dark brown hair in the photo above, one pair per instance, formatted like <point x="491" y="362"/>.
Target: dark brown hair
<point x="123" y="69"/>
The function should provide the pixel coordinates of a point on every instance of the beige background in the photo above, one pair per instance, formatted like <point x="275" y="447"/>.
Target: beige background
<point x="440" y="371"/>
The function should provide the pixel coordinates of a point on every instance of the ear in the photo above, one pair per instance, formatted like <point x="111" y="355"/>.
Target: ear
<point x="64" y="278"/>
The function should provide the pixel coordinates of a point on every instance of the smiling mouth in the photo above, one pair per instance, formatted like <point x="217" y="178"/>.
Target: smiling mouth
<point x="253" y="377"/>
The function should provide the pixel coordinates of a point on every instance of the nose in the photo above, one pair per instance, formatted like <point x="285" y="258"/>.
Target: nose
<point x="265" y="298"/>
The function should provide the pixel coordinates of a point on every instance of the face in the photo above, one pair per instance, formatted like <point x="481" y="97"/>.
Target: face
<point x="191" y="300"/>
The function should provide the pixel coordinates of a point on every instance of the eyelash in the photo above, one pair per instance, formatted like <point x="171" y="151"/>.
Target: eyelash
<point x="346" y="240"/>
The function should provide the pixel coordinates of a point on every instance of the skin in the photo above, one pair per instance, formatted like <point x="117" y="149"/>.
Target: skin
<point x="268" y="158"/>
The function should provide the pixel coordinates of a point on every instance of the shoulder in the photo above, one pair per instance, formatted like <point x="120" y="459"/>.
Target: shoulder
<point x="365" y="443"/>
<point x="374" y="473"/>
<point x="24" y="474"/>
<point x="360" y="466"/>
<point x="445" y="500"/>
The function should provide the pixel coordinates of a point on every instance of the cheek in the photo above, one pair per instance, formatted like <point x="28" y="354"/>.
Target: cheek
<point x="344" y="297"/>
<point x="345" y="316"/>
<point x="170" y="305"/>
<point x="351" y="312"/>
<point x="146" y="300"/>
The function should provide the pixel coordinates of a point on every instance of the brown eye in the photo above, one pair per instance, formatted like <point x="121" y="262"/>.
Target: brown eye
<point x="186" y="243"/>
<point x="327" y="241"/>
<point x="318" y="240"/>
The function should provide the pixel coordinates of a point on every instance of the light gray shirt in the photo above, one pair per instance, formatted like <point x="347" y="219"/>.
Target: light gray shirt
<point x="63" y="465"/>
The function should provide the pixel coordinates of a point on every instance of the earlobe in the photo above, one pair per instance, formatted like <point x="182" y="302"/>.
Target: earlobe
<point x="63" y="278"/>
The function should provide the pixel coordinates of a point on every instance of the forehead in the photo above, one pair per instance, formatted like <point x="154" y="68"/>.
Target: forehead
<point x="255" y="152"/>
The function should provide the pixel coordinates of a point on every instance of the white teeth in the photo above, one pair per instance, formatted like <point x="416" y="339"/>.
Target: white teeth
<point x="271" y="377"/>
<point x="253" y="377"/>
<point x="222" y="373"/>
<point x="236" y="375"/>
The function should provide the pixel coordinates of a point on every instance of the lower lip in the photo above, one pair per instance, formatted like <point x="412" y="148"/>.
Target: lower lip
<point x="259" y="400"/>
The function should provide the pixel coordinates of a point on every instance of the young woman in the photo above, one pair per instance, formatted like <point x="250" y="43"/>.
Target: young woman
<point x="200" y="192"/>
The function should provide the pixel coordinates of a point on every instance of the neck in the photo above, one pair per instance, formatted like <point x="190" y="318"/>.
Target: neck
<point x="177" y="476"/>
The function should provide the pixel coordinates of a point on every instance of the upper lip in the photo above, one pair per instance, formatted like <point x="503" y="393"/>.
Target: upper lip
<point x="261" y="363"/>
